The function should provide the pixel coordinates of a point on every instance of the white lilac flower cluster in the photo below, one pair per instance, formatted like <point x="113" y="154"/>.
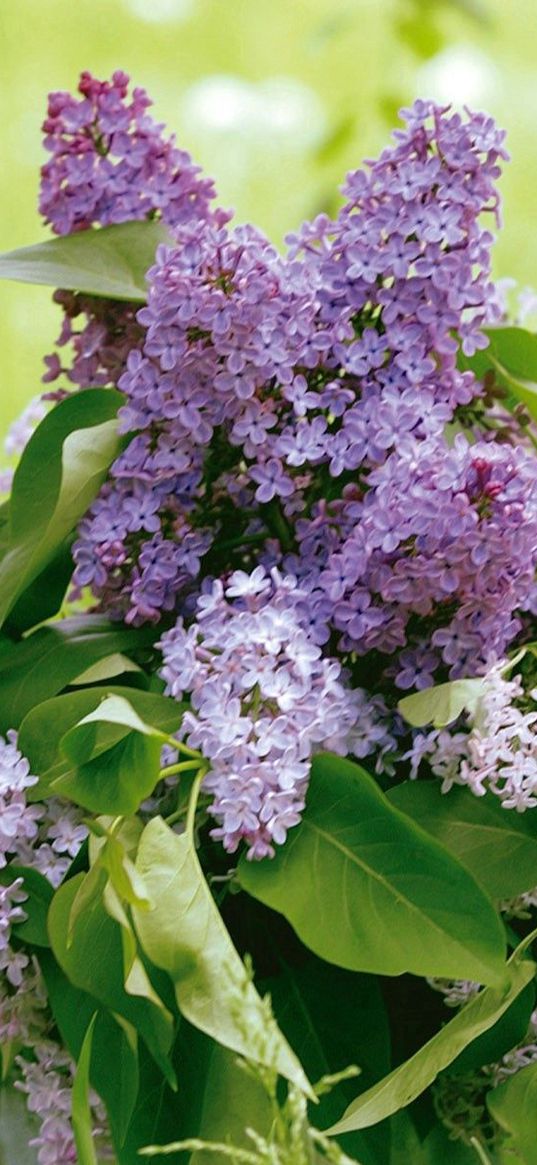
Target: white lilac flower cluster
<point x="264" y="699"/>
<point x="496" y="752"/>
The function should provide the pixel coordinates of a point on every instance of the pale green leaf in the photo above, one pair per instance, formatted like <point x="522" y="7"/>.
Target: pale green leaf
<point x="410" y="1079"/>
<point x="441" y="705"/>
<point x="109" y="261"/>
<point x="185" y="935"/>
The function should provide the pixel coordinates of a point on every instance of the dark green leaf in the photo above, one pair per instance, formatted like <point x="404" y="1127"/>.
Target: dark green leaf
<point x="185" y="935"/>
<point x="334" y="1018"/>
<point x="410" y="1079"/>
<point x="367" y="889"/>
<point x="439" y="1149"/>
<point x="93" y="961"/>
<point x="513" y="1105"/>
<point x="58" y="476"/>
<point x="110" y="261"/>
<point x="39" y="891"/>
<point x="45" y="595"/>
<point x="44" y="727"/>
<point x="497" y="846"/>
<point x="80" y="1102"/>
<point x="113" y="1043"/>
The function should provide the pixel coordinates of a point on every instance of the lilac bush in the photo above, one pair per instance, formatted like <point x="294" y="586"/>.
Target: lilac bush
<point x="268" y="665"/>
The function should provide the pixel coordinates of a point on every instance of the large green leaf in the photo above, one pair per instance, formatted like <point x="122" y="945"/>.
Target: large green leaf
<point x="44" y="727"/>
<point x="367" y="889"/>
<point x="58" y="476"/>
<point x="497" y="846"/>
<point x="109" y="261"/>
<point x="441" y="705"/>
<point x="49" y="659"/>
<point x="184" y="935"/>
<point x="513" y="1105"/>
<point x="93" y="961"/>
<point x="410" y="1079"/>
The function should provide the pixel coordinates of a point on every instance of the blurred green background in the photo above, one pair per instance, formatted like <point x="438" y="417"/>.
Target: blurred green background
<point x="276" y="99"/>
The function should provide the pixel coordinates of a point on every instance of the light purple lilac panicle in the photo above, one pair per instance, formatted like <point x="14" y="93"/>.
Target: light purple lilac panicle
<point x="264" y="700"/>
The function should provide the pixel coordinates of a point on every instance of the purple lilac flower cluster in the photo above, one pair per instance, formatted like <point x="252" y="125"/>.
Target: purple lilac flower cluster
<point x="294" y="424"/>
<point x="263" y="700"/>
<point x="110" y="163"/>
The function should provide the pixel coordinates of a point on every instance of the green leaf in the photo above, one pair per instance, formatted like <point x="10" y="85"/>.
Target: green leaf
<point x="513" y="1105"/>
<point x="80" y="743"/>
<point x="117" y="780"/>
<point x="441" y="705"/>
<point x="17" y="1128"/>
<point x="44" y="596"/>
<point x="498" y="847"/>
<point x="184" y="935"/>
<point x="410" y="1079"/>
<point x="93" y="961"/>
<point x="46" y="724"/>
<point x="334" y="1018"/>
<point x="367" y="889"/>
<point x="512" y="357"/>
<point x="80" y="1104"/>
<point x="109" y="261"/>
<point x="114" y="1042"/>
<point x="439" y="1149"/>
<point x="58" y="476"/>
<point x="106" y="669"/>
<point x="510" y="1030"/>
<point x="39" y="890"/>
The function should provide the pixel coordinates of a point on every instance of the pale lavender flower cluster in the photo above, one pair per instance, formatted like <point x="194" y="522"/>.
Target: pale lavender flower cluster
<point x="263" y="701"/>
<point x="47" y="1081"/>
<point x="496" y="751"/>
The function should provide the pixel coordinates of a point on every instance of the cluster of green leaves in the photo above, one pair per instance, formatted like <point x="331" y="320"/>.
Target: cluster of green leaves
<point x="142" y="946"/>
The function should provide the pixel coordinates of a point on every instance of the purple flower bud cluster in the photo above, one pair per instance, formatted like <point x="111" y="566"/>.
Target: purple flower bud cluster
<point x="111" y="163"/>
<point x="263" y="701"/>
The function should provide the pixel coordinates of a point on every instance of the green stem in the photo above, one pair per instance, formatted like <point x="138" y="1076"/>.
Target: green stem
<point x="182" y="767"/>
<point x="193" y="803"/>
<point x="178" y="746"/>
<point x="481" y="1151"/>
